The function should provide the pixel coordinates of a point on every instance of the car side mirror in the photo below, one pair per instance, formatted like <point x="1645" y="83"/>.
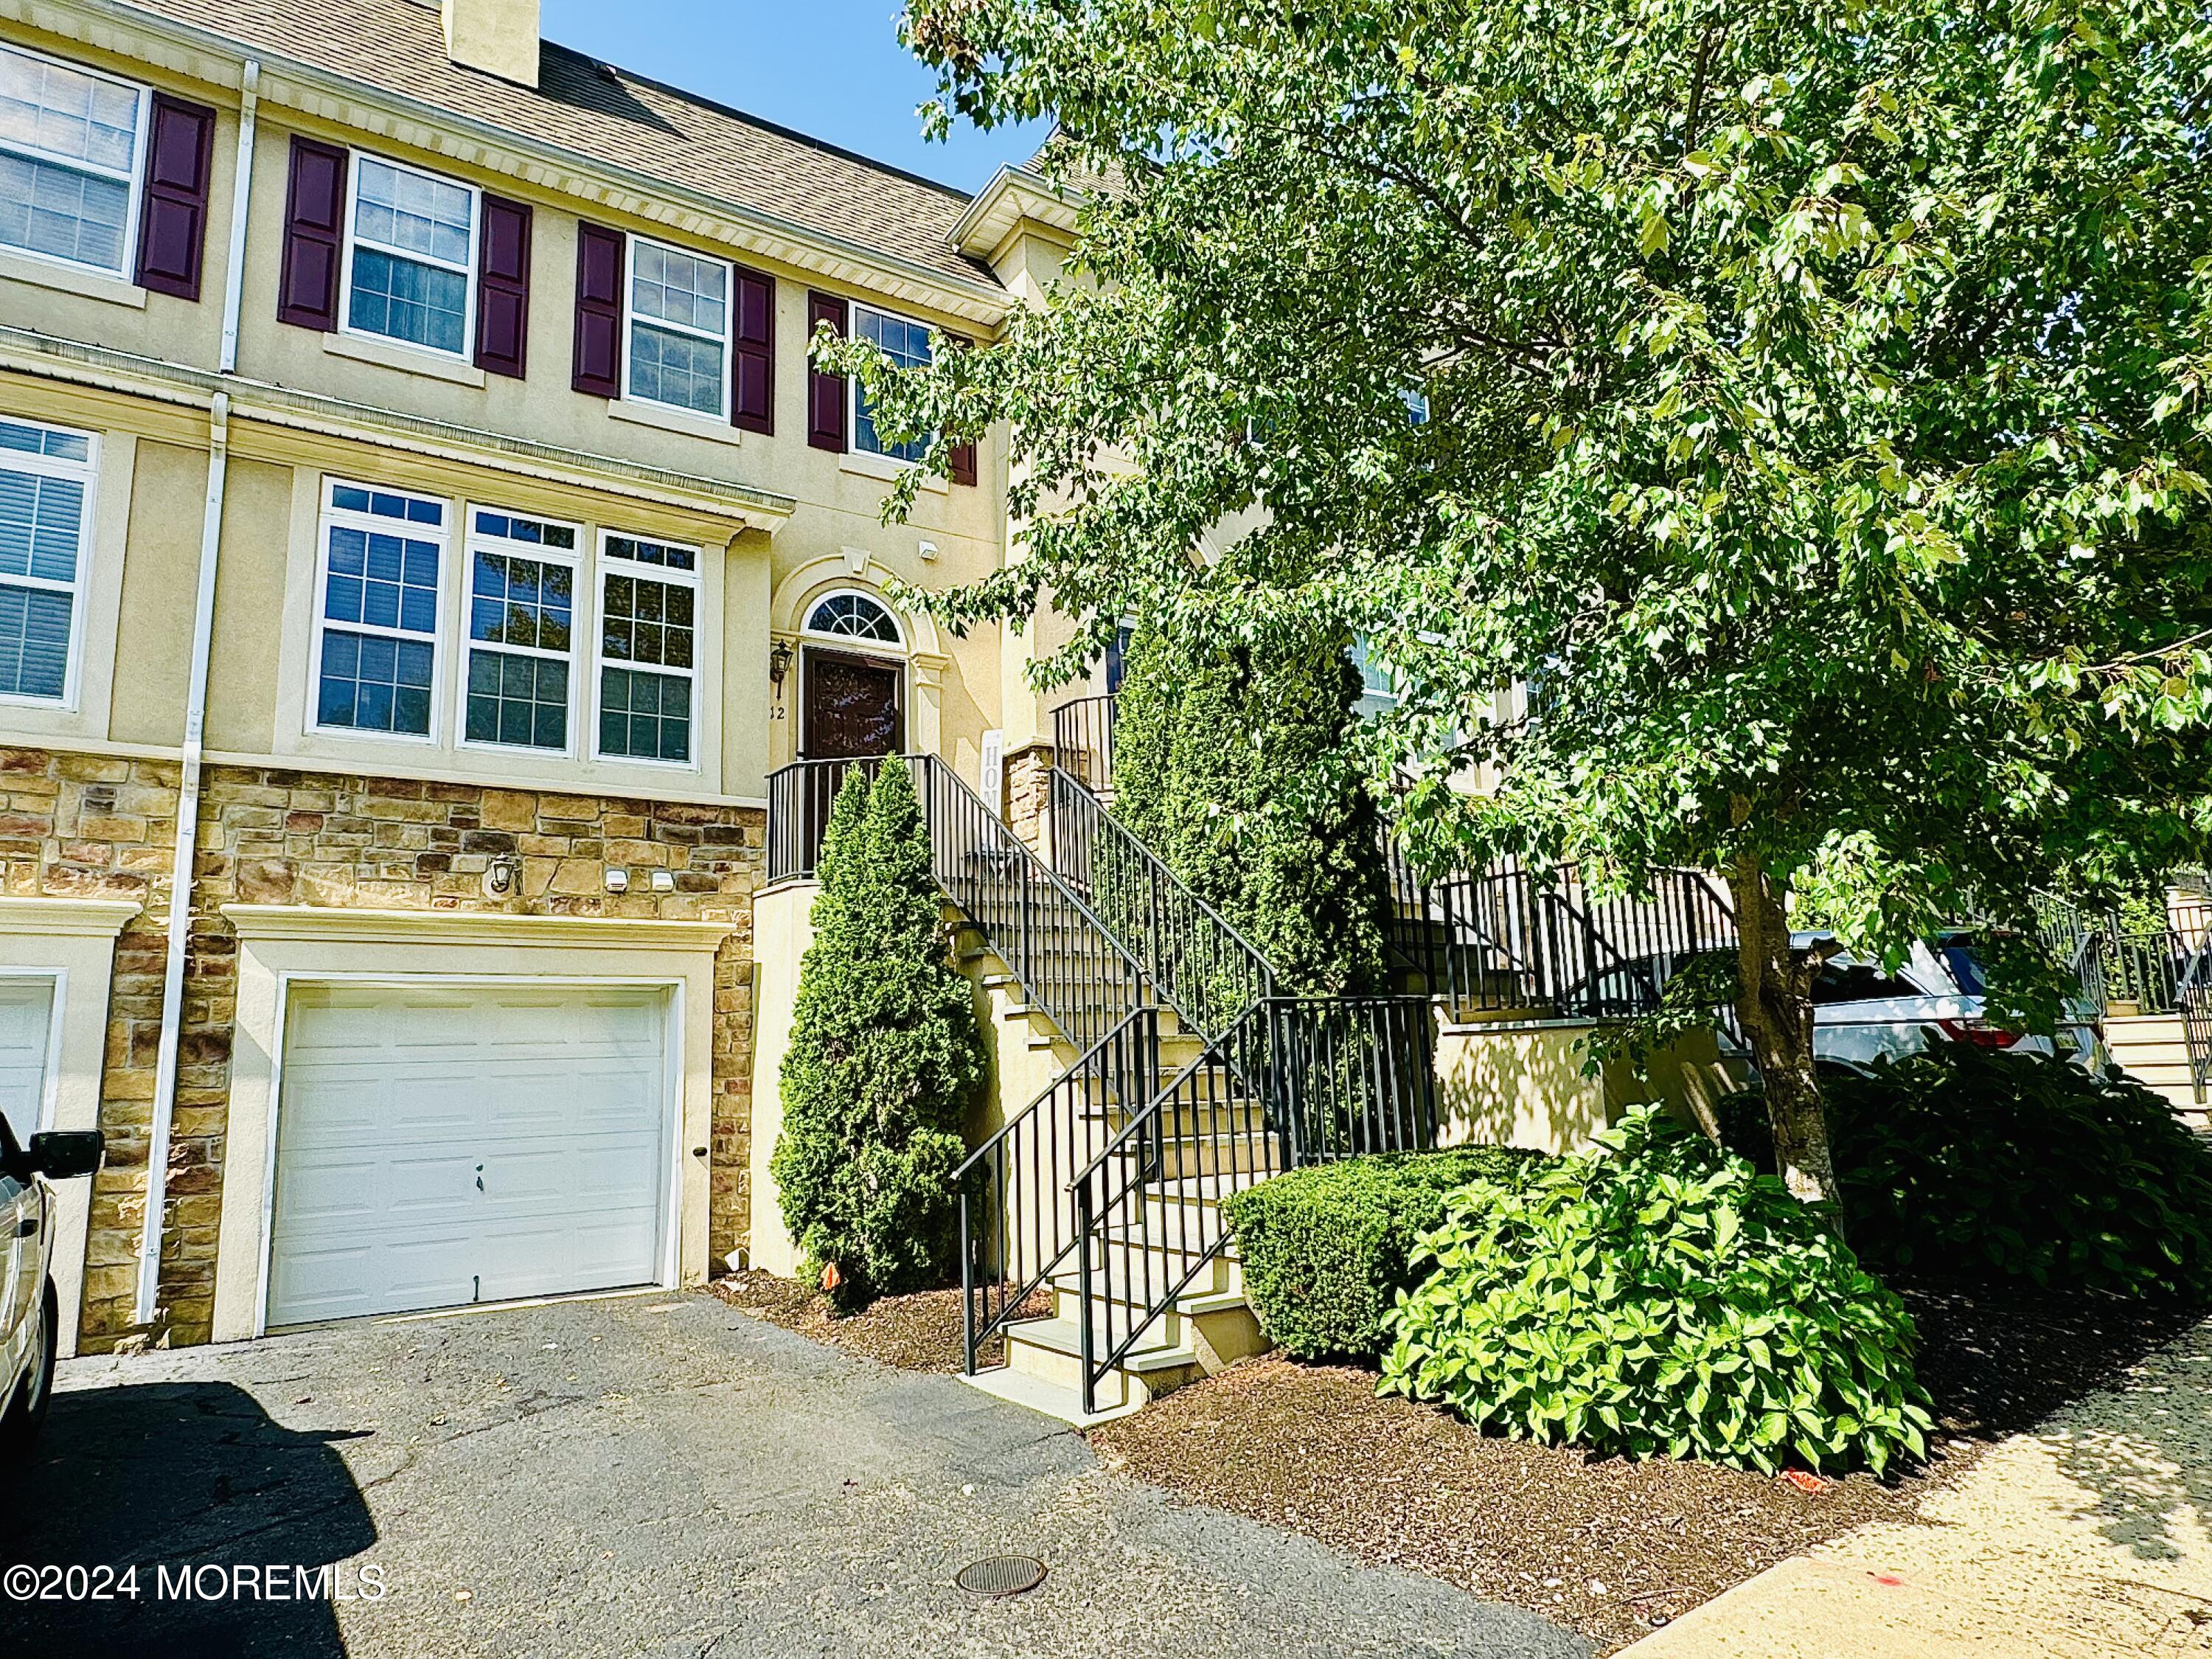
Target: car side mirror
<point x="63" y="1155"/>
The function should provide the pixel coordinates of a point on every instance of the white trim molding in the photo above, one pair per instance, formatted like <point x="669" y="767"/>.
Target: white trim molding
<point x="293" y="922"/>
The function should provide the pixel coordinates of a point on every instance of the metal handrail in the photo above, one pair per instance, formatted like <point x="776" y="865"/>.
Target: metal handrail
<point x="1083" y="742"/>
<point x="1294" y="1081"/>
<point x="1068" y="963"/>
<point x="1198" y="961"/>
<point x="1022" y="1172"/>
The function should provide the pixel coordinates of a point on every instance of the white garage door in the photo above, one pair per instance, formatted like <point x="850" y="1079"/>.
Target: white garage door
<point x="27" y="1009"/>
<point x="437" y="1147"/>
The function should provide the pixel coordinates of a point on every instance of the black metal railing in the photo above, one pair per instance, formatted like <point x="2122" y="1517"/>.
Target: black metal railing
<point x="1199" y="964"/>
<point x="1069" y="964"/>
<point x="1016" y="1221"/>
<point x="1294" y="1081"/>
<point x="1506" y="940"/>
<point x="1083" y="743"/>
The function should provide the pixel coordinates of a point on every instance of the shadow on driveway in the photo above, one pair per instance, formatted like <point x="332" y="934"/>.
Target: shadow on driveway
<point x="197" y="1478"/>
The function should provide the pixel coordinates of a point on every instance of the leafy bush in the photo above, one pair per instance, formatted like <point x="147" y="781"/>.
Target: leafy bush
<point x="1325" y="1250"/>
<point x="1230" y="766"/>
<point x="1973" y="1162"/>
<point x="885" y="1056"/>
<point x="1660" y="1295"/>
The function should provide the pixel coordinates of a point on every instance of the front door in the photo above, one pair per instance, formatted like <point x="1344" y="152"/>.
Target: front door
<point x="852" y="707"/>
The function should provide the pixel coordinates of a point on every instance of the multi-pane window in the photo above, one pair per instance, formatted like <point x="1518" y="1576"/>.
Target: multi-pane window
<point x="414" y="251"/>
<point x="377" y="642"/>
<point x="853" y="616"/>
<point x="46" y="487"/>
<point x="907" y="344"/>
<point x="69" y="155"/>
<point x="522" y="606"/>
<point x="679" y="328"/>
<point x="649" y="602"/>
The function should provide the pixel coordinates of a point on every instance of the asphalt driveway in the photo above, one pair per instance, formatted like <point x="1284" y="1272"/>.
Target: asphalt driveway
<point x="638" y="1475"/>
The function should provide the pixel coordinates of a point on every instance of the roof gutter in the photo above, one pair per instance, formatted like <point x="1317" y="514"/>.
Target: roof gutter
<point x="979" y="301"/>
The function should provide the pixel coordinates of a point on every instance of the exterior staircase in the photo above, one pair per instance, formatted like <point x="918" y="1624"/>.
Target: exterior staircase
<point x="1093" y="1237"/>
<point x="2154" y="1049"/>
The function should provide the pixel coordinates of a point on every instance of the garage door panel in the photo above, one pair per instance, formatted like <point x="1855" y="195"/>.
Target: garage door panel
<point x="393" y="1099"/>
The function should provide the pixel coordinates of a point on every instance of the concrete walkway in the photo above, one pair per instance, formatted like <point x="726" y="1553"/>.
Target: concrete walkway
<point x="647" y="1475"/>
<point x="2090" y="1539"/>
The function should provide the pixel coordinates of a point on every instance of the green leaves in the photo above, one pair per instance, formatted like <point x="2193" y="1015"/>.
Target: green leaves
<point x="1658" y="1295"/>
<point x="1818" y="408"/>
<point x="1993" y="1167"/>
<point x="885" y="1056"/>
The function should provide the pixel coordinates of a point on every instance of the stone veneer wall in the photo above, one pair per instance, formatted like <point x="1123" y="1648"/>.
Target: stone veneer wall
<point x="93" y="827"/>
<point x="1029" y="792"/>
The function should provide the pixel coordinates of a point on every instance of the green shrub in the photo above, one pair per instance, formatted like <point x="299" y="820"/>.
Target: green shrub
<point x="885" y="1056"/>
<point x="1231" y="766"/>
<point x="1660" y="1295"/>
<point x="1325" y="1250"/>
<point x="1972" y="1162"/>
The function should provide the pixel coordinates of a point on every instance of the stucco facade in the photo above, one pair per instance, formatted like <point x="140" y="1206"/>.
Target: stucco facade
<point x="229" y="457"/>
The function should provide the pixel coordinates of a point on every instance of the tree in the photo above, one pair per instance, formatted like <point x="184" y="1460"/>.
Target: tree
<point x="1230" y="766"/>
<point x="885" y="1056"/>
<point x="1815" y="422"/>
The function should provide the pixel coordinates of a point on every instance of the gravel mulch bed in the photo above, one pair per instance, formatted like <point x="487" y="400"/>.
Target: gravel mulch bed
<point x="1608" y="1547"/>
<point x="917" y="1333"/>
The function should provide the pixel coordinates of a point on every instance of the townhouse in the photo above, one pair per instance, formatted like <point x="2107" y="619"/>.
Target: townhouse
<point x="421" y="534"/>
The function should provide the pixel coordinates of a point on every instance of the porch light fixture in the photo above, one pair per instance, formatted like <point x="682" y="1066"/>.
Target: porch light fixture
<point x="778" y="661"/>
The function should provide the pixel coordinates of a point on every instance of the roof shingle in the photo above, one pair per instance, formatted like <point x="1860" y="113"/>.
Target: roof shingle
<point x="596" y="111"/>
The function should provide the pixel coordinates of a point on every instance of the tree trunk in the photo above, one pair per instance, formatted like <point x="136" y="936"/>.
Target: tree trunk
<point x="1775" y="1006"/>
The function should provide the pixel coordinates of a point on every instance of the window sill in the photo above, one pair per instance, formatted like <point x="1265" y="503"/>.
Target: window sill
<point x="69" y="279"/>
<point x="673" y="420"/>
<point x="406" y="359"/>
<point x="866" y="466"/>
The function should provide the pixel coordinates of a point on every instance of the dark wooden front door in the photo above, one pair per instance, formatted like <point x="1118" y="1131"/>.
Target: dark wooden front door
<point x="852" y="707"/>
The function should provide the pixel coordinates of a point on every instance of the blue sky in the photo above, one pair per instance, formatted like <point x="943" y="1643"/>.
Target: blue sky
<point x="832" y="69"/>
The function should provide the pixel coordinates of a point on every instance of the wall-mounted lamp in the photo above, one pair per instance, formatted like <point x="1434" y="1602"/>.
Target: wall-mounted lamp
<point x="778" y="661"/>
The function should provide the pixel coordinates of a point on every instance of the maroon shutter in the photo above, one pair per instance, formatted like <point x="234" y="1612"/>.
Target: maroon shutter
<point x="825" y="393"/>
<point x="752" y="379"/>
<point x="598" y="312"/>
<point x="503" y="289"/>
<point x="172" y="225"/>
<point x="314" y="232"/>
<point x="962" y="460"/>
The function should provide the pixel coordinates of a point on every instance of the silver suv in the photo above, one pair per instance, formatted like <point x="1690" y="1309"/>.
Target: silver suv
<point x="30" y="1321"/>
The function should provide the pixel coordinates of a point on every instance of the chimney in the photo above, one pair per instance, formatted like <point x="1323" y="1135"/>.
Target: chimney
<point x="499" y="37"/>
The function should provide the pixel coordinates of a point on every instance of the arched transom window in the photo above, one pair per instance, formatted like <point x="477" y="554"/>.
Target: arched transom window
<point x="853" y="616"/>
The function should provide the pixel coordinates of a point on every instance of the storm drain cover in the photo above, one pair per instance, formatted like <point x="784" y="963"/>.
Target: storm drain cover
<point x="1002" y="1575"/>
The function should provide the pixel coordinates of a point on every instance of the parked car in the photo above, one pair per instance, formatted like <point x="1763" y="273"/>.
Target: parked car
<point x="30" y="1320"/>
<point x="1861" y="1010"/>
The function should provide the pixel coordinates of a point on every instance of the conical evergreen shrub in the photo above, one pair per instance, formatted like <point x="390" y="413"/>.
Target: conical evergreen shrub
<point x="885" y="1056"/>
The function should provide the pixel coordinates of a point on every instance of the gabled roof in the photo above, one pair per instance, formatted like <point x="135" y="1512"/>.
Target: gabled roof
<point x="598" y="111"/>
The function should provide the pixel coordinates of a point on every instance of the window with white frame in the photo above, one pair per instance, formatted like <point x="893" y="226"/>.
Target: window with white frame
<point x="850" y="616"/>
<point x="45" y="544"/>
<point x="679" y="329"/>
<point x="376" y="639"/>
<point x="1378" y="688"/>
<point x="649" y="604"/>
<point x="522" y="606"/>
<point x="906" y="344"/>
<point x="411" y="256"/>
<point x="70" y="144"/>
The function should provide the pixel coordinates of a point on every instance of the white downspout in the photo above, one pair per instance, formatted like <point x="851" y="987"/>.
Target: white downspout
<point x="233" y="286"/>
<point x="196" y="697"/>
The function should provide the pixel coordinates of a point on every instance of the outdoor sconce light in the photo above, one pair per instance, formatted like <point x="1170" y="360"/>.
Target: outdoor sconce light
<point x="779" y="662"/>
